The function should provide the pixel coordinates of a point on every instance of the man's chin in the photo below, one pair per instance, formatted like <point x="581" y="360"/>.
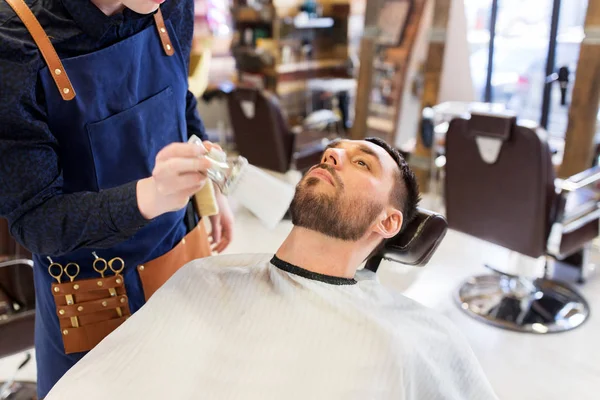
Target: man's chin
<point x="325" y="212"/>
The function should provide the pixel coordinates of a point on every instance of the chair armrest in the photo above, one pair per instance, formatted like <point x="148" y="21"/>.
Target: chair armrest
<point x="8" y="261"/>
<point x="577" y="213"/>
<point x="16" y="282"/>
<point x="575" y="197"/>
<point x="17" y="332"/>
<point x="579" y="181"/>
<point x="566" y="239"/>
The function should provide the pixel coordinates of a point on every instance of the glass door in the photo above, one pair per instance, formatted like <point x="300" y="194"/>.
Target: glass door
<point x="534" y="46"/>
<point x="479" y="24"/>
<point x="516" y="33"/>
<point x="520" y="54"/>
<point x="560" y="81"/>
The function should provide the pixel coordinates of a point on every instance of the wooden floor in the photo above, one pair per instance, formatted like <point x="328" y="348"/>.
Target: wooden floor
<point x="519" y="366"/>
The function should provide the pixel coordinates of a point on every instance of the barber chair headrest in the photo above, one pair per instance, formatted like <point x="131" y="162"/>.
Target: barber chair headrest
<point x="490" y="133"/>
<point x="416" y="244"/>
<point x="497" y="126"/>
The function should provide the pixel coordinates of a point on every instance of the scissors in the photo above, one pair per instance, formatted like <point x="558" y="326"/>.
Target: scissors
<point x="56" y="271"/>
<point x="62" y="271"/>
<point x="100" y="265"/>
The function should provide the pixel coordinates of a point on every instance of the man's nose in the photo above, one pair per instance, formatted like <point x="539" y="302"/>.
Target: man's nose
<point x="333" y="158"/>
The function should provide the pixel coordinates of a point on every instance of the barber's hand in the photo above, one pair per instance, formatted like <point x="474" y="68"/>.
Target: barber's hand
<point x="180" y="171"/>
<point x="221" y="224"/>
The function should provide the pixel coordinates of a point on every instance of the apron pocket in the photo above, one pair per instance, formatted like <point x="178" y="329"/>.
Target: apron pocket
<point x="124" y="146"/>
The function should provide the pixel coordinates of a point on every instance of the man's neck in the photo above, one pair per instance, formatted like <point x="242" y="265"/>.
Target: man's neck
<point x="322" y="254"/>
<point x="109" y="7"/>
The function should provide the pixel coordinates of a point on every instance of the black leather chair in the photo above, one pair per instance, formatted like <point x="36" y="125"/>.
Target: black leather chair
<point x="500" y="187"/>
<point x="263" y="136"/>
<point x="17" y="310"/>
<point x="415" y="244"/>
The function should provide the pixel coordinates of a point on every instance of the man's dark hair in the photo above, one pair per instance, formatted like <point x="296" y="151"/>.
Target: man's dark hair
<point x="405" y="193"/>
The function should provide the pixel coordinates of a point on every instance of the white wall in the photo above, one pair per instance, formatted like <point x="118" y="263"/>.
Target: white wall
<point x="456" y="84"/>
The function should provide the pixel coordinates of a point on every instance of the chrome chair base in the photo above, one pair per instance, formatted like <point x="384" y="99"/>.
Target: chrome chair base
<point x="524" y="305"/>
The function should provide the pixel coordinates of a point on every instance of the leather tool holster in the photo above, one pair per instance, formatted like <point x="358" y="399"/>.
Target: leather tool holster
<point x="94" y="308"/>
<point x="97" y="311"/>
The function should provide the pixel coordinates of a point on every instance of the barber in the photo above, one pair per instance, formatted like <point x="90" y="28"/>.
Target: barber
<point x="95" y="165"/>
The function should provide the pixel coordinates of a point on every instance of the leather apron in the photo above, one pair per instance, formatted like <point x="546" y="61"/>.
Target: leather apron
<point x="111" y="115"/>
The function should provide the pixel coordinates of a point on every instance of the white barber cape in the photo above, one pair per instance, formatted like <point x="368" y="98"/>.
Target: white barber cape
<point x="238" y="327"/>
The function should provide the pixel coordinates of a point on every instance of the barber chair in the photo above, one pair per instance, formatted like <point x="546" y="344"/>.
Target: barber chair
<point x="415" y="244"/>
<point x="263" y="136"/>
<point x="17" y="311"/>
<point x="500" y="187"/>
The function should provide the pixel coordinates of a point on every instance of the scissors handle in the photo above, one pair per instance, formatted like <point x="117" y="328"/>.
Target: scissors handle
<point x="58" y="267"/>
<point x="120" y="262"/>
<point x="99" y="270"/>
<point x="72" y="276"/>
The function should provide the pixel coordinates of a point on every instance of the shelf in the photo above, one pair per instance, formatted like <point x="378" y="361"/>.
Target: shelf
<point x="287" y="88"/>
<point x="309" y="65"/>
<point x="254" y="22"/>
<point x="329" y="40"/>
<point x="251" y="15"/>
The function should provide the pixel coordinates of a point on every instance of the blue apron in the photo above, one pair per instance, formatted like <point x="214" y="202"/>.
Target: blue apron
<point x="125" y="111"/>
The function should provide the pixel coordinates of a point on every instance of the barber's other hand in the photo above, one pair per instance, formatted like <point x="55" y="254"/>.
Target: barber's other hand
<point x="179" y="172"/>
<point x="221" y="224"/>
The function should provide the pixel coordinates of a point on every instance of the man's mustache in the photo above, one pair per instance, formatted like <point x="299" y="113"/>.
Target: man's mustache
<point x="332" y="171"/>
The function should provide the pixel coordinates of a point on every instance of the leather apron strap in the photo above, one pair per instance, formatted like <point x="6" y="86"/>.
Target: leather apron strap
<point x="41" y="40"/>
<point x="49" y="53"/>
<point x="163" y="33"/>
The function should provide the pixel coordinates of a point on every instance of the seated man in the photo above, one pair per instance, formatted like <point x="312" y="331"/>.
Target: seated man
<point x="295" y="325"/>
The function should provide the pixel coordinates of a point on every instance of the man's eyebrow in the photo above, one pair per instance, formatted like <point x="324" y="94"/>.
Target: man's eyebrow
<point x="368" y="150"/>
<point x="361" y="147"/>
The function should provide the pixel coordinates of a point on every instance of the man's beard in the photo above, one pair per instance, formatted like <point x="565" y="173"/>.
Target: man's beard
<point x="335" y="215"/>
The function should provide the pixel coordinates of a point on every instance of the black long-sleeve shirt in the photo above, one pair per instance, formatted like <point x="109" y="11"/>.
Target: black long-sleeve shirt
<point x="41" y="216"/>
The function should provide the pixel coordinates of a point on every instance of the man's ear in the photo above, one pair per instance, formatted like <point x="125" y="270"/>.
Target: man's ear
<point x="389" y="223"/>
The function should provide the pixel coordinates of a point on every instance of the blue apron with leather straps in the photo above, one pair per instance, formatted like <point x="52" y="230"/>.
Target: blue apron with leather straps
<point x="127" y="108"/>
